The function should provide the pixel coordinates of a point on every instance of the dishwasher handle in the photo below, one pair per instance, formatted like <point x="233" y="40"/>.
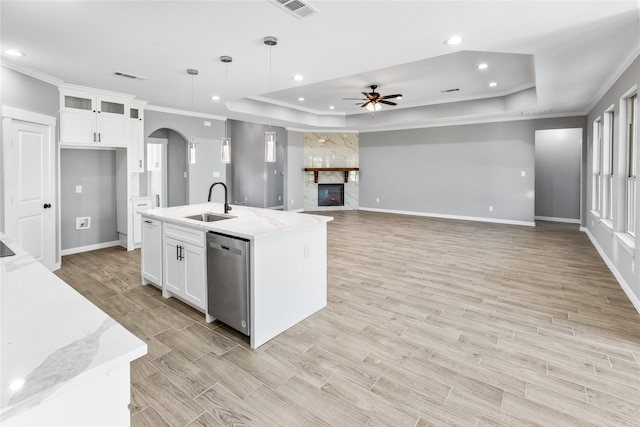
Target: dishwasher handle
<point x="219" y="247"/>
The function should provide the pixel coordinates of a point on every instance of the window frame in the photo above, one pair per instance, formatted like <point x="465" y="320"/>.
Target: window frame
<point x="596" y="166"/>
<point x="631" y="157"/>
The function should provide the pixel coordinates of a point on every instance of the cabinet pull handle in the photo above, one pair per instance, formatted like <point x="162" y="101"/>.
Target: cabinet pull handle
<point x="99" y="137"/>
<point x="178" y="252"/>
<point x="181" y="253"/>
<point x="94" y="137"/>
<point x="147" y="221"/>
<point x="140" y="163"/>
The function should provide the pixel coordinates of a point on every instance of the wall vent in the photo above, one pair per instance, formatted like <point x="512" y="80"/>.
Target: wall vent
<point x="129" y="76"/>
<point x="297" y="8"/>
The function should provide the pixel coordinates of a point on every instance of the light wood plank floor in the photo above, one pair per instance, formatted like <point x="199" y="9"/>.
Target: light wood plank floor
<point x="430" y="322"/>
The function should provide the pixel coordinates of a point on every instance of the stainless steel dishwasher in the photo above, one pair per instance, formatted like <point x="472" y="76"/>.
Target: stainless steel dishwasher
<point x="228" y="280"/>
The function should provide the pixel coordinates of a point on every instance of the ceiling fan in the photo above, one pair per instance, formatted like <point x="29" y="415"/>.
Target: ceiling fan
<point x="373" y="99"/>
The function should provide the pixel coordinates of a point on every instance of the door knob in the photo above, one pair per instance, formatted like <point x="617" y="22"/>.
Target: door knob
<point x="47" y="205"/>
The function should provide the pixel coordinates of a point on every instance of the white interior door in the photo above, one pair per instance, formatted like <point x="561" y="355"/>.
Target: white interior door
<point x="29" y="188"/>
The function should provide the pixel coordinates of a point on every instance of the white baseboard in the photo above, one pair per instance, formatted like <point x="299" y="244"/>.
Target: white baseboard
<point x="88" y="248"/>
<point x="458" y="217"/>
<point x="623" y="284"/>
<point x="555" y="219"/>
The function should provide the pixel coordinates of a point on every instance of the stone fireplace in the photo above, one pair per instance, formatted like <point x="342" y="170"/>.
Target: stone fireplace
<point x="331" y="150"/>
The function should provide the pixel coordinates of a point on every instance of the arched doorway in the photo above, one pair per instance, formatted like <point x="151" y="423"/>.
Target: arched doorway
<point x="167" y="177"/>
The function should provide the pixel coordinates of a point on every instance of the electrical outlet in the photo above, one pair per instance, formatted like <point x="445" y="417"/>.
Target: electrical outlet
<point x="377" y="200"/>
<point x="490" y="208"/>
<point x="279" y="198"/>
<point x="523" y="174"/>
<point x="216" y="174"/>
<point x="207" y="124"/>
<point x="292" y="201"/>
<point x="83" y="222"/>
<point x="307" y="251"/>
<point x="78" y="188"/>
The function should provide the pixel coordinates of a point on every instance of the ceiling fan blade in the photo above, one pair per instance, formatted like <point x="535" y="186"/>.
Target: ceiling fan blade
<point x="365" y="104"/>
<point x="354" y="99"/>
<point x="382" y="101"/>
<point x="397" y="95"/>
<point x="369" y="95"/>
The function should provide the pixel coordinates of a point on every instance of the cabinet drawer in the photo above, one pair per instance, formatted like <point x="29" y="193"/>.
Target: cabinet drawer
<point x="184" y="234"/>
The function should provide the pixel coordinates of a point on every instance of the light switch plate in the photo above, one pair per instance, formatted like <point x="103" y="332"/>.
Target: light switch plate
<point x="522" y="173"/>
<point x="216" y="174"/>
<point x="78" y="188"/>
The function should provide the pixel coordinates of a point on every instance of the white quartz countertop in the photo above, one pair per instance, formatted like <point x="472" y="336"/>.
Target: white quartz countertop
<point x="52" y="338"/>
<point x="249" y="223"/>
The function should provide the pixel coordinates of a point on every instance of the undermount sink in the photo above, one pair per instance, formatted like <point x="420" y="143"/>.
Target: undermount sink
<point x="209" y="217"/>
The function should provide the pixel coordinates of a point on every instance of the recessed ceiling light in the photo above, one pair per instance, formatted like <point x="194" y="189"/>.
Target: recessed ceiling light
<point x="215" y="98"/>
<point x="13" y="52"/>
<point x="331" y="107"/>
<point x="452" y="41"/>
<point x="493" y="84"/>
<point x="298" y="77"/>
<point x="301" y="99"/>
<point x="483" y="66"/>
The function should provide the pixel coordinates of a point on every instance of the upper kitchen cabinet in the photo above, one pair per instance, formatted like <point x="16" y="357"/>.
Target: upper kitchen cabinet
<point x="94" y="118"/>
<point x="136" y="136"/>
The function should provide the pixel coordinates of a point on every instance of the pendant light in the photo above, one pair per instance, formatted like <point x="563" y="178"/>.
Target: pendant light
<point x="225" y="153"/>
<point x="192" y="144"/>
<point x="270" y="135"/>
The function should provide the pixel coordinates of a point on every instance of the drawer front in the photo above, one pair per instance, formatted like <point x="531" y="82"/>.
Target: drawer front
<point x="185" y="234"/>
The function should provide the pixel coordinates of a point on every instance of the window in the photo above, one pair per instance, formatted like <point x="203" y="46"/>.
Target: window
<point x="597" y="178"/>
<point x="632" y="161"/>
<point x="606" y="211"/>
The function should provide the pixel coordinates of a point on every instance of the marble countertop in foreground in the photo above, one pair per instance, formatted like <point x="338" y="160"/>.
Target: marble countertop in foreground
<point x="249" y="223"/>
<point x="51" y="337"/>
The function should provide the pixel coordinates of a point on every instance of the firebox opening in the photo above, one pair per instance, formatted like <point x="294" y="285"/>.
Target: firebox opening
<point x="330" y="194"/>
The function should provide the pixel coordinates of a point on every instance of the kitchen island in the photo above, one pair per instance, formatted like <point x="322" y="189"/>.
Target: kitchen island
<point x="287" y="263"/>
<point x="63" y="361"/>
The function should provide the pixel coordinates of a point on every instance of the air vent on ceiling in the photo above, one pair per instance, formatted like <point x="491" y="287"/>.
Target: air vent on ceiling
<point x="129" y="76"/>
<point x="297" y="8"/>
<point x="449" y="90"/>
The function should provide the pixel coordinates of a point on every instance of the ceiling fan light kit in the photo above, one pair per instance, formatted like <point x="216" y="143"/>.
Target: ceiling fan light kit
<point x="373" y="99"/>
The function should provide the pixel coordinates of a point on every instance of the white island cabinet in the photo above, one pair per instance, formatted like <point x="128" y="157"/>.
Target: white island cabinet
<point x="63" y="361"/>
<point x="185" y="265"/>
<point x="288" y="262"/>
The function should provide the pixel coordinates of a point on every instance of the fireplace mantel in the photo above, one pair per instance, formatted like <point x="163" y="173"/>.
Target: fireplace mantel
<point x="345" y="170"/>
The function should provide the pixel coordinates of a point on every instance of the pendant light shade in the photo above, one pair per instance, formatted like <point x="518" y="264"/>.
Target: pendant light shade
<point x="225" y="154"/>
<point x="191" y="152"/>
<point x="270" y="136"/>
<point x="225" y="149"/>
<point x="269" y="146"/>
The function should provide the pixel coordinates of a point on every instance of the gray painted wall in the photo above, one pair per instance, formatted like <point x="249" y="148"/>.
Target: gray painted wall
<point x="558" y="158"/>
<point x="455" y="170"/>
<point x="249" y="169"/>
<point x="294" y="172"/>
<point x="624" y="263"/>
<point x="26" y="93"/>
<point x="177" y="190"/>
<point x="208" y="149"/>
<point x="95" y="170"/>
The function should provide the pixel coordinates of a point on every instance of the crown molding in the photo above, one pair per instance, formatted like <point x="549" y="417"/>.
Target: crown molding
<point x="159" y="109"/>
<point x="617" y="71"/>
<point x="31" y="72"/>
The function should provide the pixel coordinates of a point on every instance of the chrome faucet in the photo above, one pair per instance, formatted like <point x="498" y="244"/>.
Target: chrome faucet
<point x="227" y="208"/>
